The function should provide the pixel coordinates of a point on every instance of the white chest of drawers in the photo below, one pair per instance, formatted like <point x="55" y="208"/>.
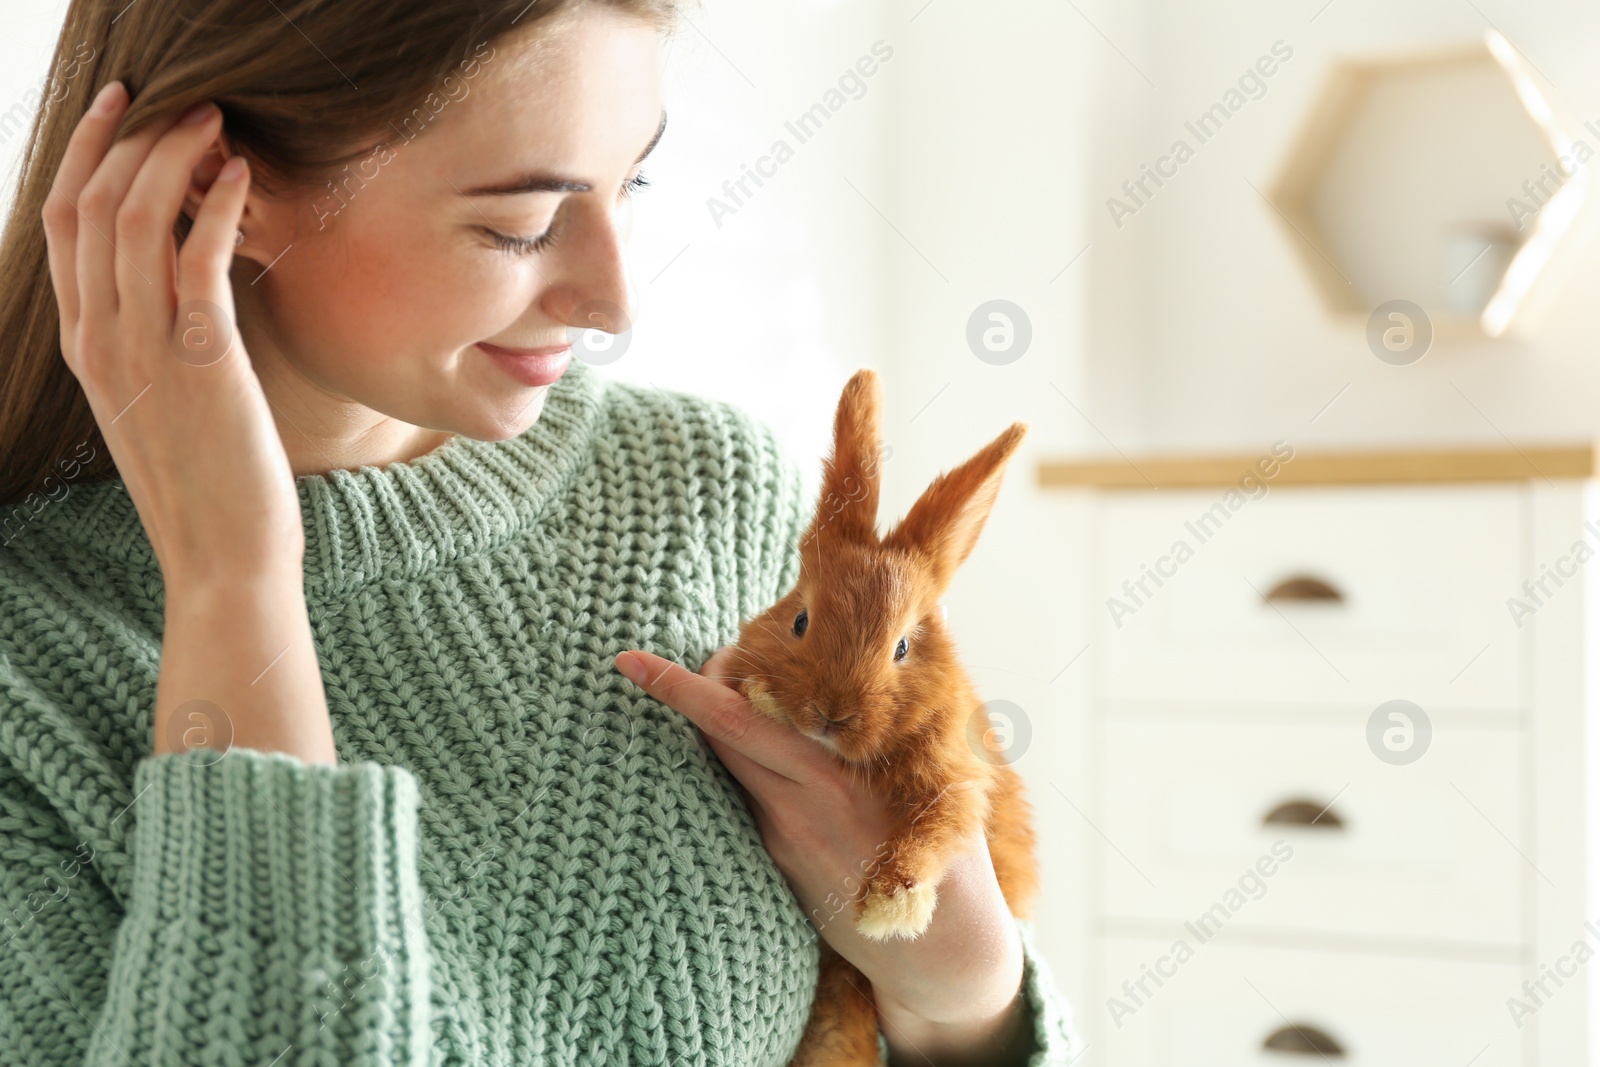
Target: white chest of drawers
<point x="1276" y="876"/>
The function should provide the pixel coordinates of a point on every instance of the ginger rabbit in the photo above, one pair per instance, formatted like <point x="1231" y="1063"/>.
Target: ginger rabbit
<point x="857" y="656"/>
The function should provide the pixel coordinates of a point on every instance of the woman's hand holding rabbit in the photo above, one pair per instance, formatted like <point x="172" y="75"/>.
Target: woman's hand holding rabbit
<point x="959" y="982"/>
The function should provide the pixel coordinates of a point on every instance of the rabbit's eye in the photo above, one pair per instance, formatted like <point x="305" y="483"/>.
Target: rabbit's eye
<point x="901" y="649"/>
<point x="800" y="623"/>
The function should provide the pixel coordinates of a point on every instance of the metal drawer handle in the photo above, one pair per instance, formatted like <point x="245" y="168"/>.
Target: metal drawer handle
<point x="1304" y="589"/>
<point x="1304" y="813"/>
<point x="1302" y="1039"/>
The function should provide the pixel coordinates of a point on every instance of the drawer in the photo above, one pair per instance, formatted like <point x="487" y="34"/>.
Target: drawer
<point x="1222" y="1005"/>
<point x="1423" y="573"/>
<point x="1418" y="852"/>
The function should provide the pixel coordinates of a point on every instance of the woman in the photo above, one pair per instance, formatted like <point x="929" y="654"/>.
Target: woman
<point x="322" y="553"/>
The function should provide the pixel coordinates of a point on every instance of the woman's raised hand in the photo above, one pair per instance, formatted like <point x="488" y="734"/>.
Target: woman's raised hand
<point x="148" y="330"/>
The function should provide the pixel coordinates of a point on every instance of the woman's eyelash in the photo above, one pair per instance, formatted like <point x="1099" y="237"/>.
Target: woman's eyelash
<point x="523" y="246"/>
<point x="528" y="246"/>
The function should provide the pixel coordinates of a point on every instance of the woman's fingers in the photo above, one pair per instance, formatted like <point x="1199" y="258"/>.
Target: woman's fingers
<point x="97" y="229"/>
<point x="753" y="779"/>
<point x="203" y="262"/>
<point x="719" y="712"/>
<point x="145" y="220"/>
<point x="86" y="148"/>
<point x="717" y="667"/>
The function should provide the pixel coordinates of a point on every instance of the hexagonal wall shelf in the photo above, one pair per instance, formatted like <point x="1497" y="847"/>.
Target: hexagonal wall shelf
<point x="1440" y="177"/>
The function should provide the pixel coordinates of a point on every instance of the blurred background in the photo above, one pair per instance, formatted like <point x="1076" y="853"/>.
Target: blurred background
<point x="1283" y="611"/>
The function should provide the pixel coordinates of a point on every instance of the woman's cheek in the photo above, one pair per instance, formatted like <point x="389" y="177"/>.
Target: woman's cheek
<point x="495" y="299"/>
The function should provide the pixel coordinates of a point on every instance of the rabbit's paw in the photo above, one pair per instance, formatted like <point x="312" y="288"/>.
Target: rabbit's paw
<point x="897" y="910"/>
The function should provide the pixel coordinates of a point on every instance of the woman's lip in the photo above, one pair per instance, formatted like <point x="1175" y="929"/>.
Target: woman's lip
<point x="530" y="366"/>
<point x="547" y="350"/>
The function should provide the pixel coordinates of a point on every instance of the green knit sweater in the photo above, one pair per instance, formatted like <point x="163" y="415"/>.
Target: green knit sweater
<point x="521" y="859"/>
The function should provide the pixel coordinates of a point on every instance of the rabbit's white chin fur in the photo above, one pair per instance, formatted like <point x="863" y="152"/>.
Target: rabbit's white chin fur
<point x="904" y="914"/>
<point x="762" y="700"/>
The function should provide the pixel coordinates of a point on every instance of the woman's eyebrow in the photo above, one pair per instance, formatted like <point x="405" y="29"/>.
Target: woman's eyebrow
<point x="549" y="183"/>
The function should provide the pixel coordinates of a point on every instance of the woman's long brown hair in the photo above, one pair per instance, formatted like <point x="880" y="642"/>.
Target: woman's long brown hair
<point x="308" y="90"/>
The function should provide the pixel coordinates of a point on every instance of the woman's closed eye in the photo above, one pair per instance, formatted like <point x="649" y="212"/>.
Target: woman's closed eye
<point x="515" y="245"/>
<point x="522" y="246"/>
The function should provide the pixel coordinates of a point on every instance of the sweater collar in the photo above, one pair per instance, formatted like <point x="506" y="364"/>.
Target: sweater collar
<point x="393" y="522"/>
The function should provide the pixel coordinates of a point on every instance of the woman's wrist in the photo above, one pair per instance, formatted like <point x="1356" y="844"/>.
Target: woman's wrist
<point x="204" y="580"/>
<point x="968" y="963"/>
<point x="239" y="669"/>
<point x="1001" y="1038"/>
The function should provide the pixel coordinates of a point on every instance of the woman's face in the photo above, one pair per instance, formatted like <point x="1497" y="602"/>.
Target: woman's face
<point x="374" y="300"/>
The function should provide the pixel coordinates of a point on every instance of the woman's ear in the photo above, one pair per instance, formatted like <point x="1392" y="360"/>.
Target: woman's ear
<point x="204" y="175"/>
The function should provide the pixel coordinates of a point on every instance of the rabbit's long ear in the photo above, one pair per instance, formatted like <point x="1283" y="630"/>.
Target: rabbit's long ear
<point x="944" y="523"/>
<point x="847" y="506"/>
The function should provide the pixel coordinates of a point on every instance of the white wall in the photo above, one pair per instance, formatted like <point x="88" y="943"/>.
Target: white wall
<point x="1208" y="334"/>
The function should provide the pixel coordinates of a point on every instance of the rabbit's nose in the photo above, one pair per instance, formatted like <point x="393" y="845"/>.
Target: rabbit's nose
<point x="836" y="715"/>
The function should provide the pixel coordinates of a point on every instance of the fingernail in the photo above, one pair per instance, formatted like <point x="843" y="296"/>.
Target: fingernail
<point x="197" y="114"/>
<point x="105" y="100"/>
<point x="233" y="168"/>
<point x="631" y="667"/>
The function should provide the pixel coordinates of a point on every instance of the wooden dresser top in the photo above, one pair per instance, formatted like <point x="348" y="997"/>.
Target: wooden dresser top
<point x="1507" y="463"/>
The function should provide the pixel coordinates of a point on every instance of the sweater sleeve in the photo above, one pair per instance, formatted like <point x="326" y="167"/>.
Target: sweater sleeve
<point x="273" y="913"/>
<point x="1055" y="1038"/>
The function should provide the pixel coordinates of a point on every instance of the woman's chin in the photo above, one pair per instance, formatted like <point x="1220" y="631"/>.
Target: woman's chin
<point x="507" y="420"/>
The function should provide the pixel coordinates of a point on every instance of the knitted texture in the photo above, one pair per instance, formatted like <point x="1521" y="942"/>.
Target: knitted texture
<point x="521" y="859"/>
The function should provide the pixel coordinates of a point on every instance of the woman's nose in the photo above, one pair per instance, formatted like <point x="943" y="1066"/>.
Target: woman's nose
<point x="589" y="285"/>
